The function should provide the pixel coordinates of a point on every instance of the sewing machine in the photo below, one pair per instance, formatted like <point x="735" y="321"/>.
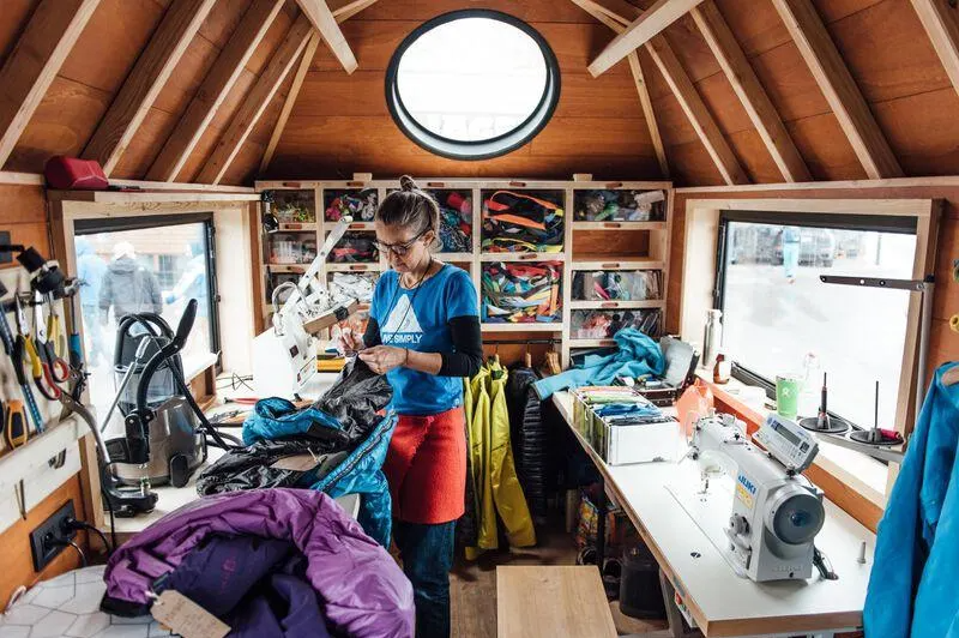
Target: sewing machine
<point x="776" y="512"/>
<point x="284" y="358"/>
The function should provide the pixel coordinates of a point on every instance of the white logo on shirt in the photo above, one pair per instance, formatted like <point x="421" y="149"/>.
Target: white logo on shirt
<point x="402" y="326"/>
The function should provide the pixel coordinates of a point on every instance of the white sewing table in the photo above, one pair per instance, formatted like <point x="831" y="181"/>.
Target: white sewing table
<point x="706" y="587"/>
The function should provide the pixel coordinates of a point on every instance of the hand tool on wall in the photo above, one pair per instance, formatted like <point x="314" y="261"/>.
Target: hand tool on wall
<point x="46" y="348"/>
<point x="25" y="351"/>
<point x="15" y="350"/>
<point x="15" y="428"/>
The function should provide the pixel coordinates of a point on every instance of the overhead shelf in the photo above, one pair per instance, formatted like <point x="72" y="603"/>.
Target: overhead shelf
<point x="616" y="305"/>
<point x="373" y="266"/>
<point x="522" y="257"/>
<point x="619" y="226"/>
<point x="556" y="326"/>
<point x="586" y="261"/>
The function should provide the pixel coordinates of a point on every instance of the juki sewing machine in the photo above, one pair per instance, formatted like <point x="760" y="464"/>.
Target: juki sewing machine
<point x="284" y="359"/>
<point x="776" y="512"/>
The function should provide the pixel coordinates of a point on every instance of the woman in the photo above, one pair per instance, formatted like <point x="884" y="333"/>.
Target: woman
<point x="424" y="335"/>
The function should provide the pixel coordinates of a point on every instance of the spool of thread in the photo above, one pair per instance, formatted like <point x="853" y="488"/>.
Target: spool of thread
<point x="954" y="323"/>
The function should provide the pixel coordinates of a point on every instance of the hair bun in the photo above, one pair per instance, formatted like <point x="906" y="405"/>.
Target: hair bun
<point x="407" y="185"/>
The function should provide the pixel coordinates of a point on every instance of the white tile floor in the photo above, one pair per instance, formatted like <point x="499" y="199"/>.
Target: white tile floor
<point x="68" y="607"/>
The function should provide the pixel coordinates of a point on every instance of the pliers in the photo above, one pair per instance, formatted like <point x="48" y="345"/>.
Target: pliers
<point x="25" y="347"/>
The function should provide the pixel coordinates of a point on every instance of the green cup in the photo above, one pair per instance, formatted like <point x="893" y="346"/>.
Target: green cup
<point x="788" y="387"/>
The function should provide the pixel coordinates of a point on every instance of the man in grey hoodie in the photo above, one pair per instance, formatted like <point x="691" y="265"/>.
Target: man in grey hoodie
<point x="128" y="287"/>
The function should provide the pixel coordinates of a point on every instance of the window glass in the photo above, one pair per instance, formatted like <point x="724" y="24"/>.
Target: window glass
<point x="472" y="84"/>
<point x="777" y="312"/>
<point x="155" y="270"/>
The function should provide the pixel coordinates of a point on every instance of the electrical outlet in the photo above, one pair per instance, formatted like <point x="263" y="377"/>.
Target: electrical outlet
<point x="42" y="538"/>
<point x="5" y="257"/>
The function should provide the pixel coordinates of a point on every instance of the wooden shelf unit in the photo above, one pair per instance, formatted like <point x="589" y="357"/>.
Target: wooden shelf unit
<point x="590" y="258"/>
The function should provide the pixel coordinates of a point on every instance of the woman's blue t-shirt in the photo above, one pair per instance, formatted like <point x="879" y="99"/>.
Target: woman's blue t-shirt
<point x="418" y="319"/>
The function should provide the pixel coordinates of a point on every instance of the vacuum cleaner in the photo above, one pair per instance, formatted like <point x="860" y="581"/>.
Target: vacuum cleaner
<point x="165" y="430"/>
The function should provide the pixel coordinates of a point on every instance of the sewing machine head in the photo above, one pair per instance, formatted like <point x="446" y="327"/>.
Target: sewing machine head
<point x="776" y="512"/>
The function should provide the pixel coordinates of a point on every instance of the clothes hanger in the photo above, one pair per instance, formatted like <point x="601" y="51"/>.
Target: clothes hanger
<point x="951" y="376"/>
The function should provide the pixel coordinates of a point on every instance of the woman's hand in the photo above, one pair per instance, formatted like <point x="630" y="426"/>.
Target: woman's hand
<point x="349" y="343"/>
<point x="382" y="359"/>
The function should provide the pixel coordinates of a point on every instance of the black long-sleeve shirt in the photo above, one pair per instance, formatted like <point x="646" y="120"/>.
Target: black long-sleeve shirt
<point x="467" y="338"/>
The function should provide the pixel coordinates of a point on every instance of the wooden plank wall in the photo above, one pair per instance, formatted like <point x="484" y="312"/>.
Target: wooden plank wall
<point x="23" y="213"/>
<point x="943" y="343"/>
<point x="100" y="62"/>
<point x="340" y="124"/>
<point x="887" y="52"/>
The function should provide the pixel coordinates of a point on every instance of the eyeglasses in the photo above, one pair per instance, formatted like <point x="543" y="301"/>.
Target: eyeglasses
<point x="401" y="249"/>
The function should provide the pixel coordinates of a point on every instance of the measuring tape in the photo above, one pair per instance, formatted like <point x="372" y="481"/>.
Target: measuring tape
<point x="7" y="335"/>
<point x="954" y="323"/>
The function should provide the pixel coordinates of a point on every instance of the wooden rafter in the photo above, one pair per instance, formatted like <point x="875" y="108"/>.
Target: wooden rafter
<point x="34" y="63"/>
<point x="617" y="21"/>
<point x="256" y="101"/>
<point x="942" y="24"/>
<point x="350" y="9"/>
<point x="301" y="71"/>
<point x="838" y="86"/>
<point x="695" y="109"/>
<point x="323" y="21"/>
<point x="640" y="31"/>
<point x="216" y="85"/>
<point x="616" y="14"/>
<point x="750" y="91"/>
<point x="141" y="88"/>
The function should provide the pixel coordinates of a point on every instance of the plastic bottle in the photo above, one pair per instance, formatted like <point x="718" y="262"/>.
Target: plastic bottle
<point x="713" y="339"/>
<point x="811" y="383"/>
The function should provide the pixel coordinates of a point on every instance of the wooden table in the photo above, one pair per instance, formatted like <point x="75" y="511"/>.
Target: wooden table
<point x="548" y="601"/>
<point x="720" y="602"/>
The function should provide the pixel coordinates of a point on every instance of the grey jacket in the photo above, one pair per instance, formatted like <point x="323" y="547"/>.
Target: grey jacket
<point x="129" y="288"/>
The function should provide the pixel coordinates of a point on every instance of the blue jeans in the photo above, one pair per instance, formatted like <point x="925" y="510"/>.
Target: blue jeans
<point x="427" y="555"/>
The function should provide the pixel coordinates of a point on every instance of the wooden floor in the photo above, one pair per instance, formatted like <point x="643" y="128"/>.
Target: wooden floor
<point x="473" y="585"/>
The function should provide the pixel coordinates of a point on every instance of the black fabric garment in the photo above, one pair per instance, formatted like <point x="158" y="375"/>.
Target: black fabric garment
<point x="355" y="398"/>
<point x="533" y="448"/>
<point x="466" y="335"/>
<point x="251" y="467"/>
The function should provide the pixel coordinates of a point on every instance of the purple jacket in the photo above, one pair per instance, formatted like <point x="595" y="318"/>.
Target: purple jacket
<point x="363" y="591"/>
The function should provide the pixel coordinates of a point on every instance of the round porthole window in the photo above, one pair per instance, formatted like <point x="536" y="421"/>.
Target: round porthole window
<point x="472" y="84"/>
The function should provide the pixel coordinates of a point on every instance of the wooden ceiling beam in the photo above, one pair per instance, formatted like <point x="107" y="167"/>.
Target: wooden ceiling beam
<point x="216" y="86"/>
<point x="323" y="21"/>
<point x="298" y="79"/>
<point x="652" y="22"/>
<point x="750" y="91"/>
<point x="256" y="101"/>
<point x="35" y="61"/>
<point x="695" y="109"/>
<point x="616" y="14"/>
<point x="349" y="9"/>
<point x="838" y="86"/>
<point x="142" y="86"/>
<point x="941" y="22"/>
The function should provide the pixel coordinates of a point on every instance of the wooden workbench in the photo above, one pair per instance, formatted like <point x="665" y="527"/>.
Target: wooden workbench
<point x="720" y="602"/>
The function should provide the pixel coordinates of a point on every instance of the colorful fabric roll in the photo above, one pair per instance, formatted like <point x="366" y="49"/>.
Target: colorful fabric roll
<point x="617" y="285"/>
<point x="521" y="292"/>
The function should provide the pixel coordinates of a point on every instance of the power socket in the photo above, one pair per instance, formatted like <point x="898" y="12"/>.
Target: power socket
<point x="42" y="539"/>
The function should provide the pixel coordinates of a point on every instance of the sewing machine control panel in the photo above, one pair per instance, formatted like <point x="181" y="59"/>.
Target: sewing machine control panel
<point x="791" y="445"/>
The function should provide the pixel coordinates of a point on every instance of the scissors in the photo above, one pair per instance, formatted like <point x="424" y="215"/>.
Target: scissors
<point x="48" y="351"/>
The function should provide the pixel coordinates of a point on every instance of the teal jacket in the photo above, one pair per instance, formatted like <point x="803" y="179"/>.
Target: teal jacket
<point x="912" y="587"/>
<point x="638" y="355"/>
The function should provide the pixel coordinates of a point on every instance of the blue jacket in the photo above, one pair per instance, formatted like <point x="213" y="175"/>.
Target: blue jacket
<point x="638" y="355"/>
<point x="912" y="587"/>
<point x="360" y="472"/>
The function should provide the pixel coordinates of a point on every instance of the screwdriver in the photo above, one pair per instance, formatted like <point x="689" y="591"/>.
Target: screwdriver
<point x="15" y="424"/>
